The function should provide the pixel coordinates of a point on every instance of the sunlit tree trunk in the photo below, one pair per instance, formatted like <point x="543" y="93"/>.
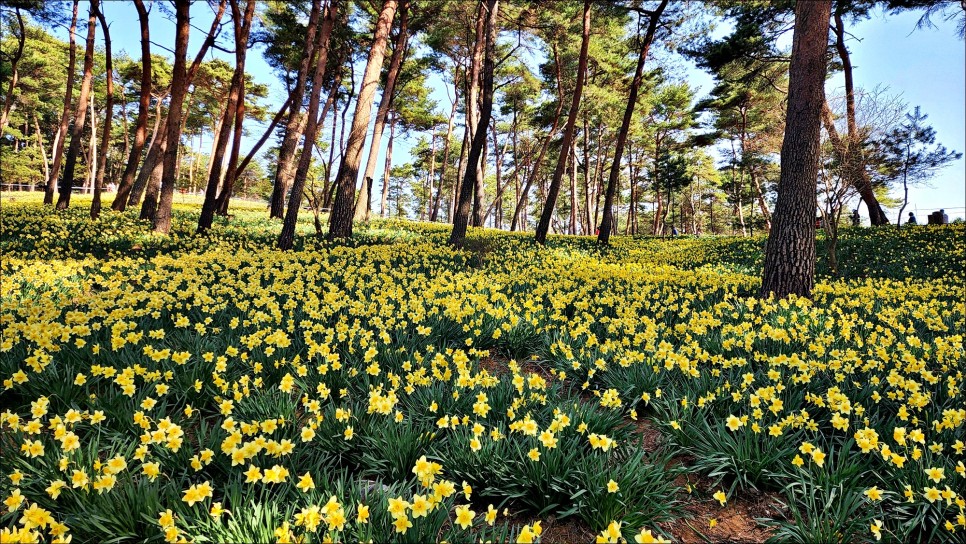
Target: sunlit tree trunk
<point x="340" y="220"/>
<point x="109" y="108"/>
<point x="790" y="252"/>
<point x="77" y="132"/>
<point x="144" y="106"/>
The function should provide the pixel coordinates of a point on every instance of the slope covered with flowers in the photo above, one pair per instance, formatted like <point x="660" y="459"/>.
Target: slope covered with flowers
<point x="213" y="388"/>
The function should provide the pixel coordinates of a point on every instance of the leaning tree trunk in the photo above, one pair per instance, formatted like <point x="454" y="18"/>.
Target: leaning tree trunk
<point x="265" y="136"/>
<point x="80" y="115"/>
<point x="109" y="108"/>
<point x="235" y="109"/>
<point x="854" y="159"/>
<point x="180" y="81"/>
<point x="462" y="215"/>
<point x="144" y="106"/>
<point x="395" y="63"/>
<point x="179" y="88"/>
<point x="287" y="236"/>
<point x="65" y="114"/>
<point x="607" y="222"/>
<point x="519" y="211"/>
<point x="386" y="173"/>
<point x="568" y="138"/>
<point x="285" y="170"/>
<point x="340" y="221"/>
<point x="152" y="158"/>
<point x="14" y="72"/>
<point x="790" y="251"/>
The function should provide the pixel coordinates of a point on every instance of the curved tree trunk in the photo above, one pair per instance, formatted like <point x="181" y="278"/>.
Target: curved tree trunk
<point x="152" y="157"/>
<point x="77" y="132"/>
<point x="854" y="159"/>
<point x="287" y="236"/>
<point x="790" y="251"/>
<point x="14" y="72"/>
<point x="65" y="114"/>
<point x="285" y="170"/>
<point x="462" y="215"/>
<point x="607" y="222"/>
<point x="109" y="109"/>
<point x="395" y="63"/>
<point x="144" y="106"/>
<point x="568" y="137"/>
<point x="340" y="221"/>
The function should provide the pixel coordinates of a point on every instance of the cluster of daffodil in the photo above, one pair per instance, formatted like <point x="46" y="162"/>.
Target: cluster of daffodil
<point x="203" y="376"/>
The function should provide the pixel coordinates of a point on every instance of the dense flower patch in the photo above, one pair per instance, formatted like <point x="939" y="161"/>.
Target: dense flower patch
<point x="188" y="388"/>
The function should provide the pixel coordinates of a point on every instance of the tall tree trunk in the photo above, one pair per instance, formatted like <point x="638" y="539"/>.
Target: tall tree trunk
<point x="287" y="236"/>
<point x="461" y="218"/>
<point x="855" y="167"/>
<point x="434" y="216"/>
<point x="180" y="81"/>
<point x="109" y="109"/>
<point x="395" y="63"/>
<point x="65" y="114"/>
<point x="231" y="175"/>
<point x="340" y="220"/>
<point x="153" y="157"/>
<point x="144" y="106"/>
<point x="790" y="252"/>
<point x="233" y="114"/>
<point x="151" y="174"/>
<point x="40" y="145"/>
<point x="520" y="212"/>
<point x="387" y="171"/>
<point x="615" y="170"/>
<point x="179" y="88"/>
<point x="431" y="177"/>
<point x="14" y="72"/>
<point x="497" y="205"/>
<point x="91" y="155"/>
<point x="285" y="169"/>
<point x="568" y="137"/>
<point x="80" y="115"/>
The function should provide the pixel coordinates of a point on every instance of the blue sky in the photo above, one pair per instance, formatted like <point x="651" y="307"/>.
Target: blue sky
<point x="925" y="67"/>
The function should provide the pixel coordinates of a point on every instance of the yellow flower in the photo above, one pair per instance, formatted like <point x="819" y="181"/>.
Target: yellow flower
<point x="362" y="513"/>
<point x="733" y="423"/>
<point x="876" y="529"/>
<point x="873" y="493"/>
<point x="402" y="524"/>
<point x="305" y="483"/>
<point x="464" y="516"/>
<point x="612" y="486"/>
<point x="348" y="433"/>
<point x="534" y="454"/>
<point x="935" y="474"/>
<point x="490" y="515"/>
<point x="720" y="497"/>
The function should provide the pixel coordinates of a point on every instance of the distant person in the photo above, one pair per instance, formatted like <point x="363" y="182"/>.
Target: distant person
<point x="912" y="219"/>
<point x="856" y="220"/>
<point x="944" y="217"/>
<point x="674" y="230"/>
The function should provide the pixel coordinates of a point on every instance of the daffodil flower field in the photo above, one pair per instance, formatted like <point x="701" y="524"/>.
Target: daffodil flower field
<point x="215" y="389"/>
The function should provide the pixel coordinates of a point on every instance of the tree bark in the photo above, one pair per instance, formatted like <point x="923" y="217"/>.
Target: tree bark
<point x="395" y="63"/>
<point x="854" y="159"/>
<point x="151" y="174"/>
<point x="606" y="223"/>
<point x="179" y="88"/>
<point x="180" y="81"/>
<point x="287" y="236"/>
<point x="109" y="113"/>
<point x="153" y="157"/>
<point x="340" y="220"/>
<point x="461" y="218"/>
<point x="285" y="170"/>
<point x="80" y="115"/>
<point x="790" y="252"/>
<point x="40" y="145"/>
<point x="535" y="167"/>
<point x="388" y="169"/>
<point x="144" y="106"/>
<point x="65" y="114"/>
<point x="568" y="137"/>
<point x="434" y="216"/>
<point x="14" y="72"/>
